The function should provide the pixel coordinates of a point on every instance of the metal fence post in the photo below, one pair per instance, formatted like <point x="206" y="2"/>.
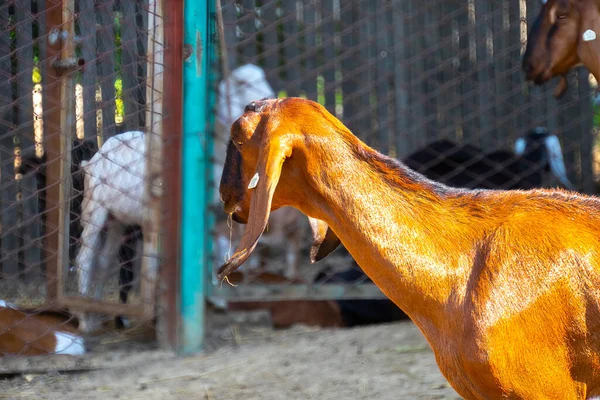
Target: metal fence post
<point x="197" y="148"/>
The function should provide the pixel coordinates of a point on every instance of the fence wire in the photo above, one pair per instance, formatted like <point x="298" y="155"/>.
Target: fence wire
<point x="437" y="84"/>
<point x="52" y="284"/>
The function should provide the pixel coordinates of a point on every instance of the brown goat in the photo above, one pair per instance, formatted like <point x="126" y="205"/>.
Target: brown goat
<point x="503" y="284"/>
<point x="563" y="35"/>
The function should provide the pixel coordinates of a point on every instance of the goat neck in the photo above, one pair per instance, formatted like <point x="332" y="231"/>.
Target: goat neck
<point x="369" y="201"/>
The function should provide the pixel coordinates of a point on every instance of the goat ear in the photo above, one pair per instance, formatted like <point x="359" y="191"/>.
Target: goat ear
<point x="325" y="240"/>
<point x="556" y="162"/>
<point x="270" y="162"/>
<point x="588" y="46"/>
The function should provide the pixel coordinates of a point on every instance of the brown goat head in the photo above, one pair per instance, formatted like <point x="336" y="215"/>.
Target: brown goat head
<point x="562" y="36"/>
<point x="259" y="155"/>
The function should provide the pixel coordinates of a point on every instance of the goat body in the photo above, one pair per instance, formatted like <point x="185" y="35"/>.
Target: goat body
<point x="503" y="284"/>
<point x="113" y="198"/>
<point x="37" y="332"/>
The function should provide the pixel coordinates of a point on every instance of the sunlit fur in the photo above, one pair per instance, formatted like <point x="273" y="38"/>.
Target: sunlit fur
<point x="505" y="285"/>
<point x="555" y="44"/>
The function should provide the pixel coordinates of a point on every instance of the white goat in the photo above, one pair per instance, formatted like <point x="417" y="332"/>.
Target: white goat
<point x="113" y="189"/>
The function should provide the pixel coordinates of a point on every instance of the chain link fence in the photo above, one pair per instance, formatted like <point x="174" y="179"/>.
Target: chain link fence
<point x="80" y="81"/>
<point x="437" y="84"/>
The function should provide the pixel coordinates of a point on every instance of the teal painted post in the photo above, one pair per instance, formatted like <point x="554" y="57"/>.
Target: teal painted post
<point x="197" y="149"/>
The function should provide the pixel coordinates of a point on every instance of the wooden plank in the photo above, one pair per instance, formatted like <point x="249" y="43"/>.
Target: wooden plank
<point x="502" y="94"/>
<point x="520" y="103"/>
<point x="8" y="239"/>
<point x="466" y="70"/>
<point x="79" y="303"/>
<point x="87" y="26"/>
<point x="485" y="72"/>
<point x="364" y="71"/>
<point x="309" y="75"/>
<point x="291" y="52"/>
<point x="402" y="115"/>
<point x="328" y="52"/>
<point x="153" y="181"/>
<point x="10" y="243"/>
<point x="429" y="41"/>
<point x="350" y="60"/>
<point x="229" y="31"/>
<point x="142" y="7"/>
<point x="415" y="72"/>
<point x="384" y="74"/>
<point x="449" y="98"/>
<point x="587" y="133"/>
<point x="247" y="24"/>
<point x="40" y="43"/>
<point x="129" y="66"/>
<point x="28" y="255"/>
<point x="537" y="94"/>
<point x="106" y="64"/>
<point x="249" y="292"/>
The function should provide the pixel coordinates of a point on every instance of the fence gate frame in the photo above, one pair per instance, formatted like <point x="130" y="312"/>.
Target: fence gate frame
<point x="164" y="63"/>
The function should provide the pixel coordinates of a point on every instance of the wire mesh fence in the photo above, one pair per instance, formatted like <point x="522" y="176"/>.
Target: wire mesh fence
<point x="437" y="84"/>
<point x="80" y="83"/>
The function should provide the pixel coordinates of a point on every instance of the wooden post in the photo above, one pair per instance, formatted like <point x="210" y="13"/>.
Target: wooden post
<point x="153" y="181"/>
<point x="59" y="123"/>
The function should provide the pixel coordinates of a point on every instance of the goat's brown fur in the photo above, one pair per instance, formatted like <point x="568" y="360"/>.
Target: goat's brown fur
<point x="32" y="332"/>
<point x="503" y="284"/>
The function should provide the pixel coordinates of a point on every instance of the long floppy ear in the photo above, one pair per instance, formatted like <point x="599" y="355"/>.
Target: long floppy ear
<point x="268" y="171"/>
<point x="325" y="240"/>
<point x="588" y="48"/>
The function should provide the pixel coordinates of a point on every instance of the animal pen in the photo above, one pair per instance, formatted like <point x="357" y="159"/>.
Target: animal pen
<point x="75" y="74"/>
<point x="399" y="74"/>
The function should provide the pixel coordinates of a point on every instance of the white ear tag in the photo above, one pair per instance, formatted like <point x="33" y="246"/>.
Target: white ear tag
<point x="253" y="181"/>
<point x="589" y="35"/>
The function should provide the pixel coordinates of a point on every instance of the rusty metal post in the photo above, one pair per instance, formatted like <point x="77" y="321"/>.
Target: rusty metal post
<point x="59" y="123"/>
<point x="168" y="317"/>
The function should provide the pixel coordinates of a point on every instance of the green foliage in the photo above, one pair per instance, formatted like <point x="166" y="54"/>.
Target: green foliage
<point x="596" y="109"/>
<point x="119" y="105"/>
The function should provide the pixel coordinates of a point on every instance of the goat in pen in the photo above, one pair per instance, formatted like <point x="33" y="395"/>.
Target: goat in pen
<point x="503" y="284"/>
<point x="563" y="36"/>
<point x="31" y="332"/>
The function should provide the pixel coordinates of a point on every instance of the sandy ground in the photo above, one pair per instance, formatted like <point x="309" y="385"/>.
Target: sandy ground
<point x="377" y="362"/>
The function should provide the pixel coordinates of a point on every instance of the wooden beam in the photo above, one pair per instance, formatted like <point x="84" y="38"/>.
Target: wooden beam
<point x="77" y="303"/>
<point x="153" y="183"/>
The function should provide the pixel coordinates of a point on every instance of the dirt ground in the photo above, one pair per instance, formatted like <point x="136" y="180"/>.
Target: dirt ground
<point x="377" y="362"/>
